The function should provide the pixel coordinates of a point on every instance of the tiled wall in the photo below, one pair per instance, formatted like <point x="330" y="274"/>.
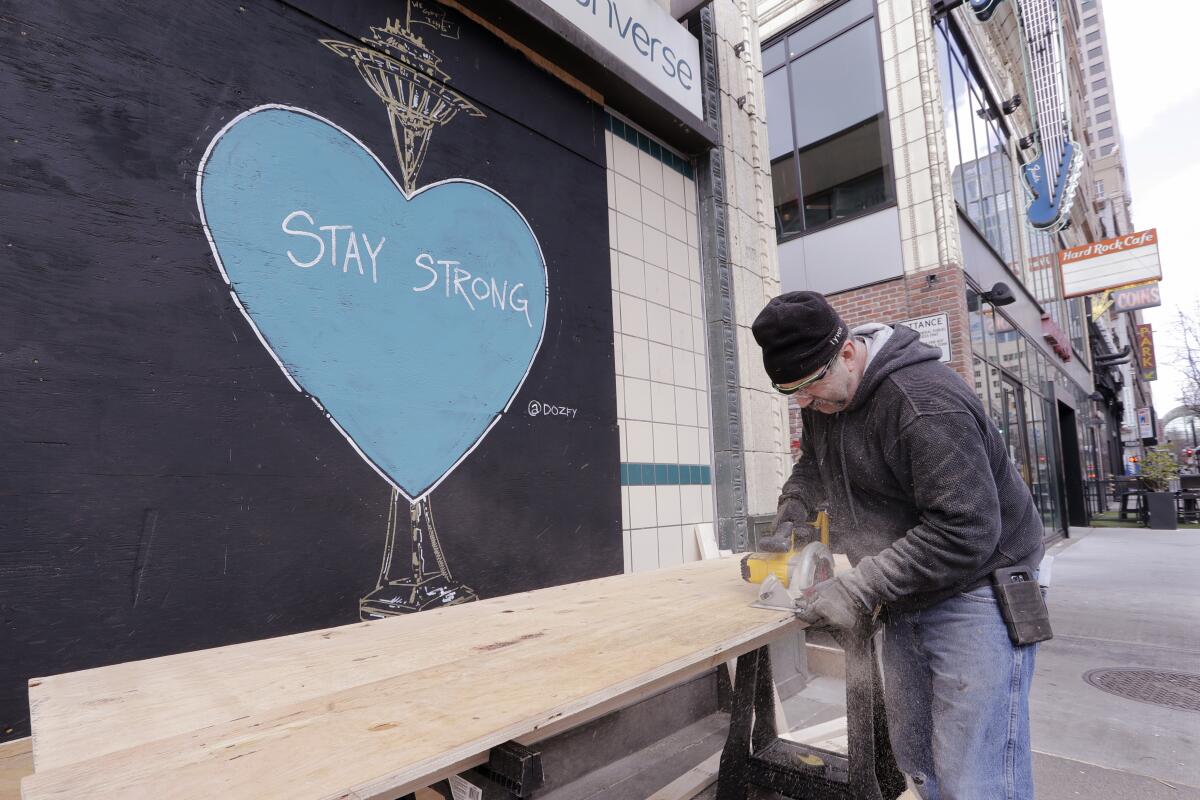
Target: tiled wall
<point x="661" y="350"/>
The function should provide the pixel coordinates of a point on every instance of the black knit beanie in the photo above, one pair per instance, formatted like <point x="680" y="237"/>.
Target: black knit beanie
<point x="799" y="333"/>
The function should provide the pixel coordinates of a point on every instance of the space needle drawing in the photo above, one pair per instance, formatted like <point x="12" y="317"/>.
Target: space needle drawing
<point x="404" y="73"/>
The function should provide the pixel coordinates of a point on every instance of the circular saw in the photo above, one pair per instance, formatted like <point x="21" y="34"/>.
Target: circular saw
<point x="782" y="577"/>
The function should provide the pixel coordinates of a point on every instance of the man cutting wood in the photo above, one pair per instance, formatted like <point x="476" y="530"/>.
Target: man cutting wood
<point x="926" y="503"/>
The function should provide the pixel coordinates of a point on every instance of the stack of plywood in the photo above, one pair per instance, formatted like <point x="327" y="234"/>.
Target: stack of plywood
<point x="378" y="709"/>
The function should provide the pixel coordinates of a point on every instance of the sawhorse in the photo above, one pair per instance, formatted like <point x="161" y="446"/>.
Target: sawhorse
<point x="755" y="755"/>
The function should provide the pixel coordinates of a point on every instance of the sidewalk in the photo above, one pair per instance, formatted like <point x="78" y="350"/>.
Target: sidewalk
<point x="1119" y="598"/>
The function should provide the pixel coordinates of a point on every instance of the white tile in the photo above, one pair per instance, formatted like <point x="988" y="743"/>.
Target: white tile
<point x="707" y="503"/>
<point x="675" y="225"/>
<point x="652" y="171"/>
<point x="612" y="187"/>
<point x="691" y="548"/>
<point x="618" y="356"/>
<point x="629" y="197"/>
<point x="637" y="399"/>
<point x="662" y="398"/>
<point x="673" y="186"/>
<point x="658" y="323"/>
<point x="701" y="371"/>
<point x="621" y="437"/>
<point x="643" y="508"/>
<point x="689" y="194"/>
<point x="657" y="288"/>
<point x="653" y="213"/>
<point x="677" y="256"/>
<point x="621" y="403"/>
<point x="681" y="330"/>
<point x="666" y="444"/>
<point x="612" y="228"/>
<point x="684" y="367"/>
<point x="608" y="150"/>
<point x="681" y="293"/>
<point x="635" y="357"/>
<point x="693" y="261"/>
<point x="616" y="307"/>
<point x="632" y="275"/>
<point x="689" y="442"/>
<point x="702" y="417"/>
<point x="670" y="546"/>
<point x="662" y="364"/>
<point x="643" y="549"/>
<point x="626" y="547"/>
<point x="629" y="235"/>
<point x="706" y="454"/>
<point x="639" y="441"/>
<point x="699" y="339"/>
<point x="693" y="229"/>
<point x="685" y="408"/>
<point x="633" y="315"/>
<point x="691" y="505"/>
<point x="625" y="159"/>
<point x="654" y="247"/>
<point x="614" y="280"/>
<point x="668" y="504"/>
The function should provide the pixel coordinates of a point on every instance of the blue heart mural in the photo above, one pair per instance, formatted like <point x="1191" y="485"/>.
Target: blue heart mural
<point x="411" y="320"/>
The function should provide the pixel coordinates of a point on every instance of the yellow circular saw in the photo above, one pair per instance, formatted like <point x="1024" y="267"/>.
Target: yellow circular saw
<point x="783" y="576"/>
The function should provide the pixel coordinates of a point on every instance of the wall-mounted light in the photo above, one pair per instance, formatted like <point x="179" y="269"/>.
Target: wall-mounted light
<point x="998" y="295"/>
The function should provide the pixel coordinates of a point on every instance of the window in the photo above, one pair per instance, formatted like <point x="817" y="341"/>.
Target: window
<point x="1095" y="52"/>
<point x="981" y="169"/>
<point x="1093" y="37"/>
<point x="1106" y="149"/>
<point x="1097" y="69"/>
<point x="1100" y="100"/>
<point x="1100" y="84"/>
<point x="1103" y="116"/>
<point x="1088" y="5"/>
<point x="1089" y="20"/>
<point x="826" y="124"/>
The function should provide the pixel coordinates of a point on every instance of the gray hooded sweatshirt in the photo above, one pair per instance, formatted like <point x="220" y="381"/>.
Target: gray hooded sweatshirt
<point x="917" y="480"/>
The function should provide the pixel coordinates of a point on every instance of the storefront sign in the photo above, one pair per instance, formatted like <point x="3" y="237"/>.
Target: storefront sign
<point x="1145" y="352"/>
<point x="1110" y="263"/>
<point x="934" y="331"/>
<point x="1056" y="337"/>
<point x="645" y="38"/>
<point x="1135" y="298"/>
<point x="1145" y="423"/>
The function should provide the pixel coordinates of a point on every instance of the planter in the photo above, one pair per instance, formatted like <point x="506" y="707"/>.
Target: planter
<point x="1160" y="508"/>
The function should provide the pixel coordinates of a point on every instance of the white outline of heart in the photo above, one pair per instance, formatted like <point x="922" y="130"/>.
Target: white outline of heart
<point x="233" y="292"/>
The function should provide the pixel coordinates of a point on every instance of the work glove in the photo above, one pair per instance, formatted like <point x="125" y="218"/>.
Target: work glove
<point x="792" y="512"/>
<point x="830" y="605"/>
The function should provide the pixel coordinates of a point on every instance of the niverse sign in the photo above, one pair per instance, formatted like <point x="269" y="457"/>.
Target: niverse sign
<point x="934" y="331"/>
<point x="644" y="37"/>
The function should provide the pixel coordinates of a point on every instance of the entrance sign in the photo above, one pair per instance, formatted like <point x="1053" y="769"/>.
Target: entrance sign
<point x="934" y="331"/>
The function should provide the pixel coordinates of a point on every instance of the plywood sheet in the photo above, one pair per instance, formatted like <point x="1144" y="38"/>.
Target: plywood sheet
<point x="377" y="709"/>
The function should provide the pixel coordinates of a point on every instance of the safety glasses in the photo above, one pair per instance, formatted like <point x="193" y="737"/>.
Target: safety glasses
<point x="814" y="379"/>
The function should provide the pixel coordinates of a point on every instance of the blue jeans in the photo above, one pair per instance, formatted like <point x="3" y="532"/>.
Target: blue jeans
<point x="957" y="696"/>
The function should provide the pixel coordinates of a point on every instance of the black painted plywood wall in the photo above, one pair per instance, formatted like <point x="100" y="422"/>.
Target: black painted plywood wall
<point x="284" y="293"/>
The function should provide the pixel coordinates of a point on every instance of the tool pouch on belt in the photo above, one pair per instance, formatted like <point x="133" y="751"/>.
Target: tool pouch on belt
<point x="1022" y="605"/>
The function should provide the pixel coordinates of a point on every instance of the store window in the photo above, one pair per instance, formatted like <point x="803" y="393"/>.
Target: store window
<point x="981" y="169"/>
<point x="826" y="121"/>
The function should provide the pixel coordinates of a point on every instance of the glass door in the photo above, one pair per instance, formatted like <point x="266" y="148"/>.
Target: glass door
<point x="1013" y="427"/>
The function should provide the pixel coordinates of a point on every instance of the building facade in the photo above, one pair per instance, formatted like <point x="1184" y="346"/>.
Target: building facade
<point x="374" y="308"/>
<point x="901" y="197"/>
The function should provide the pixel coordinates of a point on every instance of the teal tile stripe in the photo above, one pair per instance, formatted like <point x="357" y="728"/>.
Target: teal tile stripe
<point x="647" y="145"/>
<point x="640" y="474"/>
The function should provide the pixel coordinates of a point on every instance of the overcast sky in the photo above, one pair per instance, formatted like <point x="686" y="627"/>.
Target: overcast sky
<point x="1156" y="86"/>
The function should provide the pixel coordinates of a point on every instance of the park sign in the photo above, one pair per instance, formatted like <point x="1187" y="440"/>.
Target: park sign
<point x="1145" y="352"/>
<point x="1110" y="263"/>
<point x="1137" y="297"/>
